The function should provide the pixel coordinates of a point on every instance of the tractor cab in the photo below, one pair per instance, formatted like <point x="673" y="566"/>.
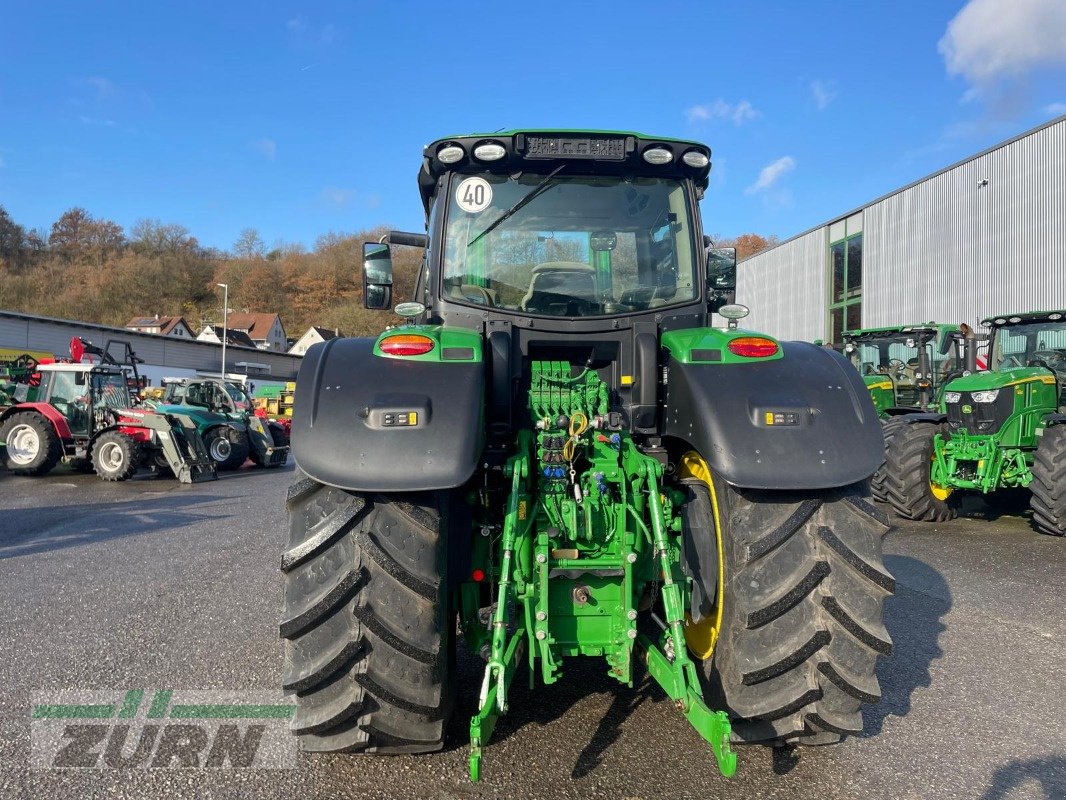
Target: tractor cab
<point x="226" y="398"/>
<point x="904" y="367"/>
<point x="1031" y="341"/>
<point x="85" y="395"/>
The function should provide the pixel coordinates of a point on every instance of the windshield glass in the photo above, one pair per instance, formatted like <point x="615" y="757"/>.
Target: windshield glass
<point x="111" y="390"/>
<point x="241" y="401"/>
<point x="891" y="356"/>
<point x="566" y="245"/>
<point x="1022" y="345"/>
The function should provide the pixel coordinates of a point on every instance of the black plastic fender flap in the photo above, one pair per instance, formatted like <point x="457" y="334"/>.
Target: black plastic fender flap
<point x="805" y="421"/>
<point x="375" y="424"/>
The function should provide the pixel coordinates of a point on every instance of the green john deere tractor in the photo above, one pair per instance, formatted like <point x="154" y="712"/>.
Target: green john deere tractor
<point x="559" y="452"/>
<point x="225" y="416"/>
<point x="999" y="433"/>
<point x="905" y="369"/>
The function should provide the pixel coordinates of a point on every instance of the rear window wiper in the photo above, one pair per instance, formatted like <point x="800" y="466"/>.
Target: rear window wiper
<point x="522" y="201"/>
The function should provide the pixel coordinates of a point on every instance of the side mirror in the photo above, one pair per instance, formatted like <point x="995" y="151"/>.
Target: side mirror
<point x="377" y="275"/>
<point x="722" y="268"/>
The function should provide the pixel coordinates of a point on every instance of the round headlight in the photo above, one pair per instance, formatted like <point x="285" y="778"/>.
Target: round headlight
<point x="1056" y="315"/>
<point x="1015" y="320"/>
<point x="694" y="158"/>
<point x="952" y="397"/>
<point x="489" y="151"/>
<point x="450" y="154"/>
<point x="658" y="155"/>
<point x="1000" y="321"/>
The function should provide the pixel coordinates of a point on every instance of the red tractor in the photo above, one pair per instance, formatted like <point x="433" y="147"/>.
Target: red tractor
<point x="84" y="415"/>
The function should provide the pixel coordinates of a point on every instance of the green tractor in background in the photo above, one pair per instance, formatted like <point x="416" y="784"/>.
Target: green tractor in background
<point x="225" y="417"/>
<point x="904" y="369"/>
<point x="557" y="451"/>
<point x="999" y="433"/>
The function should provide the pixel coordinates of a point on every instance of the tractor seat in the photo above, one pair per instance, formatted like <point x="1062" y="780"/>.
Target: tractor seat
<point x="555" y="282"/>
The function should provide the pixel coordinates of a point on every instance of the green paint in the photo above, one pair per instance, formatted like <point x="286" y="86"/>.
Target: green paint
<point x="131" y="703"/>
<point x="96" y="711"/>
<point x="160" y="701"/>
<point x="586" y="528"/>
<point x="711" y="346"/>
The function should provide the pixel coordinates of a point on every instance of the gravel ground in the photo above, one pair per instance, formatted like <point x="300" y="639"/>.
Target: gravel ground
<point x="153" y="585"/>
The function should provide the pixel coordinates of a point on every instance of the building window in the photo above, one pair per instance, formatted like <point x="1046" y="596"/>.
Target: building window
<point x="845" y="284"/>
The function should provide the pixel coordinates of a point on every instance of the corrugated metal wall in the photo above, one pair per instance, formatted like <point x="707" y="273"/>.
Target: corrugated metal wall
<point x="785" y="288"/>
<point x="951" y="248"/>
<point x="41" y="333"/>
<point x="956" y="249"/>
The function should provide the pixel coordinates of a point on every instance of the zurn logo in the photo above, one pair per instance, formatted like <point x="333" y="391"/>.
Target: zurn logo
<point x="161" y="729"/>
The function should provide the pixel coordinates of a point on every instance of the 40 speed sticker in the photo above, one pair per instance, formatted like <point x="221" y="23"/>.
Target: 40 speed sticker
<point x="474" y="195"/>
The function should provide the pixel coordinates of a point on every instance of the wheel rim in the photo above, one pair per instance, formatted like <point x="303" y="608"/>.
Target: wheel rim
<point x="111" y="456"/>
<point x="221" y="449"/>
<point x="702" y="636"/>
<point x="23" y="444"/>
<point x="941" y="493"/>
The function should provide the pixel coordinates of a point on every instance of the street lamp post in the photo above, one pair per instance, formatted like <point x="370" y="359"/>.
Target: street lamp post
<point x="225" y="323"/>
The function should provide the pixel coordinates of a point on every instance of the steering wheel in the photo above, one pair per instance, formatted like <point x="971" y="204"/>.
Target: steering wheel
<point x="1045" y="358"/>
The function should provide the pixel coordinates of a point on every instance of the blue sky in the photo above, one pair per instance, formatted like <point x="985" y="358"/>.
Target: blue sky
<point x="302" y="118"/>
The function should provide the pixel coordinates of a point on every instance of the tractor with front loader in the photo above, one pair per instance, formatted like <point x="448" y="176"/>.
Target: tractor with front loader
<point x="84" y="414"/>
<point x="559" y="455"/>
<point x="225" y="417"/>
<point x="1000" y="433"/>
<point x="904" y="369"/>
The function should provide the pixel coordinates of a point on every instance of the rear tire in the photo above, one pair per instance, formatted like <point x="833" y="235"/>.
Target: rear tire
<point x="802" y="628"/>
<point x="889" y="428"/>
<point x="31" y="445"/>
<point x="227" y="446"/>
<point x="367" y="631"/>
<point x="908" y="464"/>
<point x="116" y="456"/>
<point x="1049" y="482"/>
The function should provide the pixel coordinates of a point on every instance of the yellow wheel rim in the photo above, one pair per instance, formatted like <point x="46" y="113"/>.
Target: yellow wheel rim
<point x="941" y="493"/>
<point x="701" y="636"/>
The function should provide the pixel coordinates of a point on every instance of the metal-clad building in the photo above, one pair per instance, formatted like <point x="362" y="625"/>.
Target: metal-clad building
<point x="162" y="354"/>
<point x="984" y="236"/>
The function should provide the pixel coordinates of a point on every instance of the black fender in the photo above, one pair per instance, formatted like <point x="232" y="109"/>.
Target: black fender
<point x="923" y="416"/>
<point x="347" y="409"/>
<point x="822" y="430"/>
<point x="1054" y="419"/>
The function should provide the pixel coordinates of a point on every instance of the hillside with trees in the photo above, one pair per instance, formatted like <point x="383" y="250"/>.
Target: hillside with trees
<point x="91" y="269"/>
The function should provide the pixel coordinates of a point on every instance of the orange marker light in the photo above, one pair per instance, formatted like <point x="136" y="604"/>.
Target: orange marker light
<point x="406" y="344"/>
<point x="753" y="347"/>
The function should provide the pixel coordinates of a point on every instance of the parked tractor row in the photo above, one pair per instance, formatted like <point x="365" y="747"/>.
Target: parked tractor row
<point x="88" y="414"/>
<point x="951" y="429"/>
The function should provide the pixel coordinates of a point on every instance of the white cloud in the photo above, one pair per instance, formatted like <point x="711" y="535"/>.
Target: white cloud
<point x="267" y="148"/>
<point x="108" y="123"/>
<point x="770" y="173"/>
<point x="337" y="196"/>
<point x="989" y="40"/>
<point x="1055" y="109"/>
<point x="104" y="88"/>
<point x="824" y="93"/>
<point x="739" y="113"/>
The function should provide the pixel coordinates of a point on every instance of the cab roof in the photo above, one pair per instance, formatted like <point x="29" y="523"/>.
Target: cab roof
<point x="69" y="367"/>
<point x="1000" y="320"/>
<point x="932" y="328"/>
<point x="545" y="149"/>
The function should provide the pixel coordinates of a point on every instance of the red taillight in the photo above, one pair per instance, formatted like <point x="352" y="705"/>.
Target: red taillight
<point x="478" y="575"/>
<point x="406" y="344"/>
<point x="753" y="347"/>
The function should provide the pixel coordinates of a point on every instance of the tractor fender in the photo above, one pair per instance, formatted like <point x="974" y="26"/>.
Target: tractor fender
<point x="1054" y="419"/>
<point x="47" y="411"/>
<point x="804" y="421"/>
<point x="922" y="416"/>
<point x="352" y="415"/>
